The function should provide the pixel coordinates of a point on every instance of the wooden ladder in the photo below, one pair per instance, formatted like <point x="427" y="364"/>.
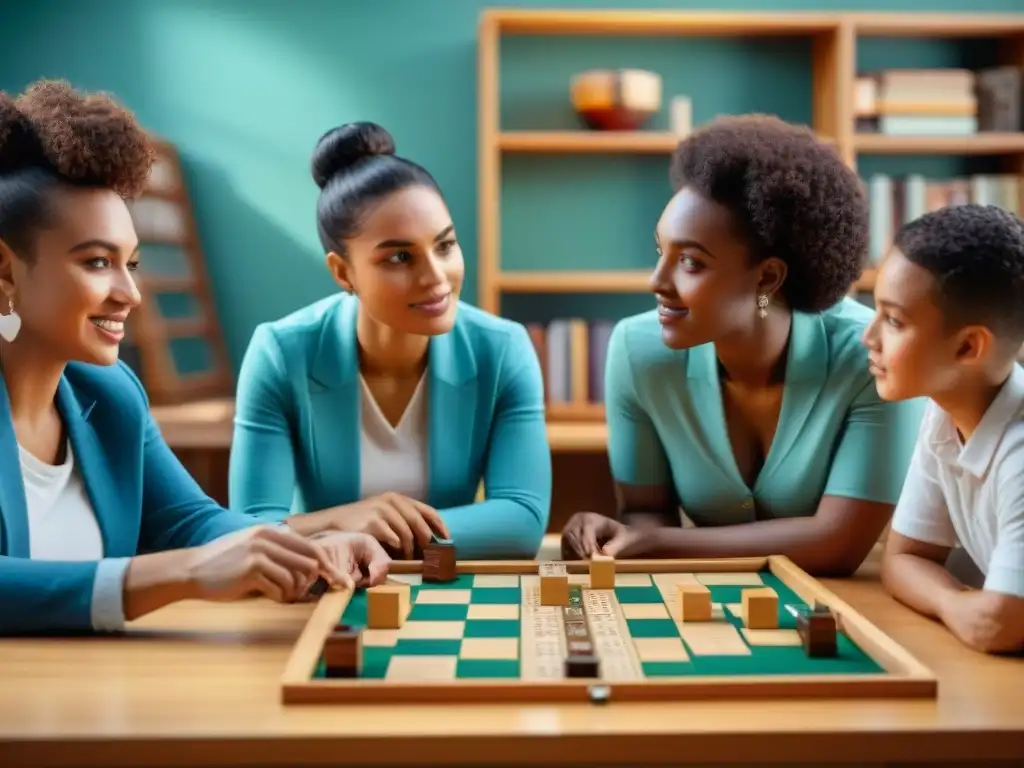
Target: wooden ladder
<point x="174" y="341"/>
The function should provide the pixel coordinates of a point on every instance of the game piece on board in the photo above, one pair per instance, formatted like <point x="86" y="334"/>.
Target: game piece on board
<point x="439" y="561"/>
<point x="602" y="572"/>
<point x="388" y="605"/>
<point x="343" y="652"/>
<point x="582" y="665"/>
<point x="554" y="584"/>
<point x="760" y="608"/>
<point x="817" y="629"/>
<point x="694" y="602"/>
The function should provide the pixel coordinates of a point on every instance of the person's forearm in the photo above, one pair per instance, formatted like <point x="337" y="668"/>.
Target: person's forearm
<point x="648" y="518"/>
<point x="802" y="539"/>
<point x="154" y="581"/>
<point x="921" y="584"/>
<point x="310" y="523"/>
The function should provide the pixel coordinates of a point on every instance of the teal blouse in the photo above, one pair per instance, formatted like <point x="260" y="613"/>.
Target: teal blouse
<point x="835" y="435"/>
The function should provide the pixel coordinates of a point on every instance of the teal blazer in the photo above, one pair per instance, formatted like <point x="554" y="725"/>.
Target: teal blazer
<point x="142" y="497"/>
<point x="835" y="436"/>
<point x="297" y="433"/>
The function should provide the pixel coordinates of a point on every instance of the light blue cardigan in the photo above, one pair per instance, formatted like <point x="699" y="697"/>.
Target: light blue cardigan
<point x="141" y="495"/>
<point x="297" y="431"/>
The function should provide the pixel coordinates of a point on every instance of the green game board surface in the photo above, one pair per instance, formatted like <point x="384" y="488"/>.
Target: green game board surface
<point x="763" y="660"/>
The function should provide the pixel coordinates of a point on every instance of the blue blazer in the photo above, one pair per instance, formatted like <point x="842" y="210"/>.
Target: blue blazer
<point x="297" y="432"/>
<point x="141" y="495"/>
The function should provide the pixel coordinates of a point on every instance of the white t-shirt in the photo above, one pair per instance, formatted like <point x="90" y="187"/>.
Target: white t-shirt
<point x="972" y="494"/>
<point x="61" y="522"/>
<point x="394" y="458"/>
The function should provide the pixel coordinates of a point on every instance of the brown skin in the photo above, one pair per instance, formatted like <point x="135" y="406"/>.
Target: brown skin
<point x="704" y="268"/>
<point x="406" y="254"/>
<point x="81" y="268"/>
<point x="915" y="353"/>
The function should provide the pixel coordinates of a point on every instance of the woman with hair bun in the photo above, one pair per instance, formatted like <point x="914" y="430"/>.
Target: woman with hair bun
<point x="86" y="481"/>
<point x="384" y="406"/>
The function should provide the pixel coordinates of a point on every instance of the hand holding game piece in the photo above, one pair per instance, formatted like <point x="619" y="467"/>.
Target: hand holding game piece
<point x="585" y="533"/>
<point x="272" y="561"/>
<point x="359" y="556"/>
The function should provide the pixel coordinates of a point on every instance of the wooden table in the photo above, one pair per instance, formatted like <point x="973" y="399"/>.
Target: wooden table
<point x="197" y="685"/>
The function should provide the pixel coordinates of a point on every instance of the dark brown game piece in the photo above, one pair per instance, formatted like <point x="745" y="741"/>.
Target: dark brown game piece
<point x="319" y="587"/>
<point x="582" y="665"/>
<point x="439" y="561"/>
<point x="343" y="652"/>
<point x="817" y="630"/>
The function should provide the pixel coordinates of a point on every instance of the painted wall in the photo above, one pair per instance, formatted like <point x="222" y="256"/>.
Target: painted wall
<point x="245" y="87"/>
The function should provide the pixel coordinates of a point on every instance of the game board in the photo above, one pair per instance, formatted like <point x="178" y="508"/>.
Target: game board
<point x="485" y="636"/>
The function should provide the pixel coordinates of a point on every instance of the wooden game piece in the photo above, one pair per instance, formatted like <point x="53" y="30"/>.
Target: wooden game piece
<point x="694" y="602"/>
<point x="760" y="608"/>
<point x="388" y="605"/>
<point x="581" y="656"/>
<point x="554" y="584"/>
<point x="318" y="588"/>
<point x="602" y="572"/>
<point x="343" y="652"/>
<point x="439" y="561"/>
<point x="817" y="629"/>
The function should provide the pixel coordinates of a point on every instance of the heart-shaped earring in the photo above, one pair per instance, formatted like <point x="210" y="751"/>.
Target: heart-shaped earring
<point x="10" y="324"/>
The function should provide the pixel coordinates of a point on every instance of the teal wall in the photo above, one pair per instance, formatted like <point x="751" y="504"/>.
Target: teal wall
<point x="244" y="88"/>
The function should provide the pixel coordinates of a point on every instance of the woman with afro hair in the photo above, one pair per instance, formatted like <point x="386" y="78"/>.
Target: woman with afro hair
<point x="743" y="404"/>
<point x="99" y="522"/>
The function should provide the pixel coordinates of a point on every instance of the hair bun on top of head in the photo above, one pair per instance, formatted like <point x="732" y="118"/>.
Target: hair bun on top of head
<point x="19" y="144"/>
<point x="343" y="147"/>
<point x="86" y="139"/>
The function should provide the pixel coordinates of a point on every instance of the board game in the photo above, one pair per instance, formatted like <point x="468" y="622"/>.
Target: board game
<point x="599" y="630"/>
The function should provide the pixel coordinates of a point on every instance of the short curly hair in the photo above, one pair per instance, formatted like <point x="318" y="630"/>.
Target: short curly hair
<point x="792" y="196"/>
<point x="975" y="253"/>
<point x="51" y="135"/>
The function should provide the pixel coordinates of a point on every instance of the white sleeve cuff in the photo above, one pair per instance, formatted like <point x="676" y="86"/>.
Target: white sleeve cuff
<point x="928" y="531"/>
<point x="1008" y="580"/>
<point x="108" y="595"/>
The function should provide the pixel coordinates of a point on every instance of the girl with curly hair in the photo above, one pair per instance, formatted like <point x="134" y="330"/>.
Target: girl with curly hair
<point x="744" y="402"/>
<point x="87" y="484"/>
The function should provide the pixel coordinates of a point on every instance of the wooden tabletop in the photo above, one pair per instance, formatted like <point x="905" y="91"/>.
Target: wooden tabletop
<point x="198" y="685"/>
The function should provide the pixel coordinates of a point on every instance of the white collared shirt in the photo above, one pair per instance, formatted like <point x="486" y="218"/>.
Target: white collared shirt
<point x="972" y="494"/>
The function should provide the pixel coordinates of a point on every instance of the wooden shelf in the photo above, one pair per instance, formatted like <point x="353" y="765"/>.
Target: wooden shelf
<point x="640" y="142"/>
<point x="866" y="282"/>
<point x="578" y="437"/>
<point x="656" y="23"/>
<point x="572" y="281"/>
<point x="976" y="144"/>
<point x="575" y="412"/>
<point x="951" y="25"/>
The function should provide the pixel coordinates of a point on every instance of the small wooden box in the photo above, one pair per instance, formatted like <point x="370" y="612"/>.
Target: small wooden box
<point x="694" y="602"/>
<point x="760" y="608"/>
<point x="554" y="584"/>
<point x="388" y="605"/>
<point x="602" y="572"/>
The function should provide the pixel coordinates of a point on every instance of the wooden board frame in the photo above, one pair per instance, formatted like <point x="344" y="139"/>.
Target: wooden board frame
<point x="904" y="676"/>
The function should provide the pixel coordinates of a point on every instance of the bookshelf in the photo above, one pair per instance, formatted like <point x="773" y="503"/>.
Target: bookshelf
<point x="833" y="38"/>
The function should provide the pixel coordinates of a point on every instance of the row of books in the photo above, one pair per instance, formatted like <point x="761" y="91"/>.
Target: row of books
<point x="895" y="201"/>
<point x="572" y="354"/>
<point x="940" y="102"/>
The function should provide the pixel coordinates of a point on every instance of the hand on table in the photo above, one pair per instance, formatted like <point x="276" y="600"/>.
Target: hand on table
<point x="394" y="520"/>
<point x="272" y="561"/>
<point x="973" y="616"/>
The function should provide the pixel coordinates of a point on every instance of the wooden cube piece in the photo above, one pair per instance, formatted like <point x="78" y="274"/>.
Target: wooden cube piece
<point x="694" y="602"/>
<point x="602" y="572"/>
<point x="388" y="606"/>
<point x="554" y="584"/>
<point x="343" y="652"/>
<point x="439" y="561"/>
<point x="760" y="608"/>
<point x="818" y="631"/>
<point x="582" y="665"/>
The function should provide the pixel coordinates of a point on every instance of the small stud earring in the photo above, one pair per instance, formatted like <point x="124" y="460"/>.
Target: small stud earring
<point x="762" y="302"/>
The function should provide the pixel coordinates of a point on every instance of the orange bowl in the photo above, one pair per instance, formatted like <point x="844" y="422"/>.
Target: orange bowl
<point x="616" y="99"/>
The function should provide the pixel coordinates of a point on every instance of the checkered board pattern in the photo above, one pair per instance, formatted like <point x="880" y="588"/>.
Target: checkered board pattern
<point x="491" y="626"/>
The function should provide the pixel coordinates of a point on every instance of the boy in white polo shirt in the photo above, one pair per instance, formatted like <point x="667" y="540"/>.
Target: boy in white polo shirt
<point x="948" y="326"/>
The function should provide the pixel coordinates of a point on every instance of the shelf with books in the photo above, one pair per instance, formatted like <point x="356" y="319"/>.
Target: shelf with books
<point x="994" y="143"/>
<point x="564" y="142"/>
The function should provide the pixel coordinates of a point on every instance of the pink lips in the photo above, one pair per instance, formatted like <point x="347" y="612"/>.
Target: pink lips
<point x="434" y="307"/>
<point x="668" y="315"/>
